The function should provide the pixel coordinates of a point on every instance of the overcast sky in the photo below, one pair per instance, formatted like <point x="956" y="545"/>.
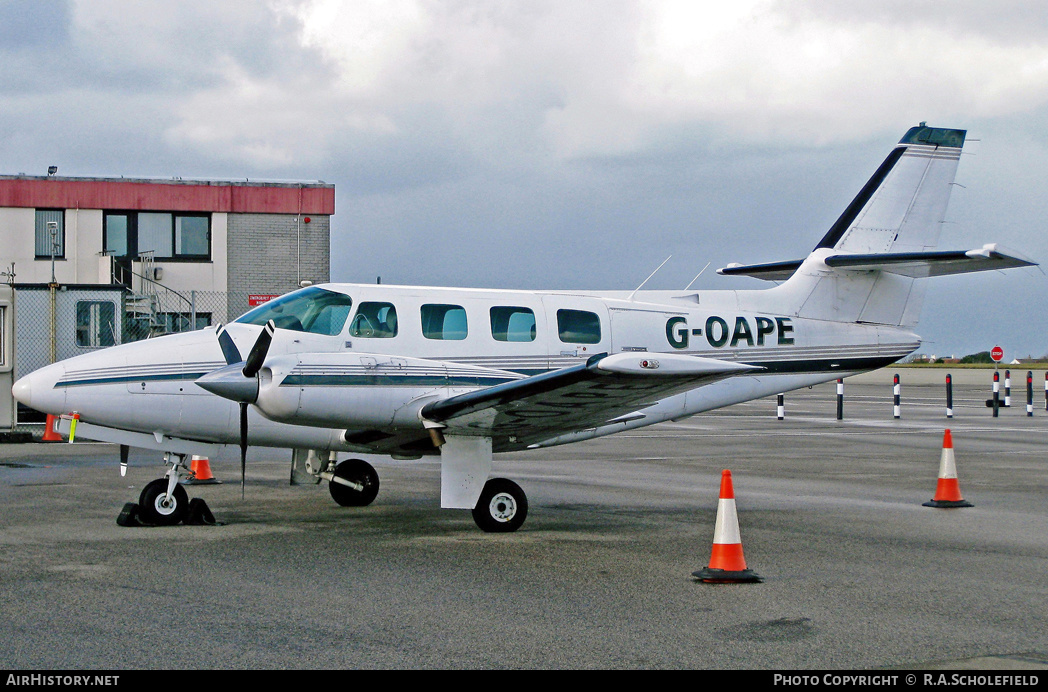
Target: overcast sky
<point x="562" y="144"/>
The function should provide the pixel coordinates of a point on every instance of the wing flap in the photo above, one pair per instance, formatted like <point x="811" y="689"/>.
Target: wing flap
<point x="515" y="414"/>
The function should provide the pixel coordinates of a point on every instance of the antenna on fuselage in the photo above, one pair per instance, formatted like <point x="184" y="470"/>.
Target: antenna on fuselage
<point x="697" y="276"/>
<point x="649" y="276"/>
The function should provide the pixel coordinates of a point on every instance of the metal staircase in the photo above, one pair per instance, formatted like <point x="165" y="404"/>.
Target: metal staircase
<point x="142" y="301"/>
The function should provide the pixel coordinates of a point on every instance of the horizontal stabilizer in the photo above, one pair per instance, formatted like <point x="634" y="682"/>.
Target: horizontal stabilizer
<point x="774" y="271"/>
<point x="924" y="264"/>
<point x="912" y="264"/>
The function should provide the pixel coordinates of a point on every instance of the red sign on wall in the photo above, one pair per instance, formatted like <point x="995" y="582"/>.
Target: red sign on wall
<point x="258" y="299"/>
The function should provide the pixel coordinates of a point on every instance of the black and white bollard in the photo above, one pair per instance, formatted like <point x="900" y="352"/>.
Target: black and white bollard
<point x="1007" y="388"/>
<point x="840" y="399"/>
<point x="996" y="392"/>
<point x="1029" y="394"/>
<point x="895" y="393"/>
<point x="949" y="396"/>
<point x="781" y="409"/>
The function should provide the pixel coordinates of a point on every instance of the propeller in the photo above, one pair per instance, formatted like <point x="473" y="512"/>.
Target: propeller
<point x="238" y="381"/>
<point x="255" y="358"/>
<point x="243" y="447"/>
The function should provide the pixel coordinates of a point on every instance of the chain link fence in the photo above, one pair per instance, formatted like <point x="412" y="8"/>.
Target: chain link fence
<point x="55" y="324"/>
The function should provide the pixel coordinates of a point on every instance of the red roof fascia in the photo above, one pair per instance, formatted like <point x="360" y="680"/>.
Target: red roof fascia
<point x="244" y="198"/>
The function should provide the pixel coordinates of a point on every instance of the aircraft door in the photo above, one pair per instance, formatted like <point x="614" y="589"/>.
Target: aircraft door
<point x="656" y="331"/>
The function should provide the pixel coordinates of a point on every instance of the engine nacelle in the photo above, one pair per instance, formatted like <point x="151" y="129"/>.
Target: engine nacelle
<point x="340" y="390"/>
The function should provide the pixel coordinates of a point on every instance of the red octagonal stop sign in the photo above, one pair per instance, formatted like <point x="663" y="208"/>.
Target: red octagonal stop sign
<point x="997" y="354"/>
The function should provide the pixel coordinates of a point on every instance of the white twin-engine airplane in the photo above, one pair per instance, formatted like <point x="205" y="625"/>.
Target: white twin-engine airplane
<point x="464" y="373"/>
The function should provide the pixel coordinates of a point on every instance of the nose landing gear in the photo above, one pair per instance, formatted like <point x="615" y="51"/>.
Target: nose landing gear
<point x="164" y="502"/>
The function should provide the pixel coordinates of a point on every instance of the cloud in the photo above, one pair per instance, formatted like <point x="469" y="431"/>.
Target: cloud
<point x="294" y="83"/>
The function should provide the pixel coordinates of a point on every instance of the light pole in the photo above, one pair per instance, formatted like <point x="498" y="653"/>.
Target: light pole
<point x="52" y="227"/>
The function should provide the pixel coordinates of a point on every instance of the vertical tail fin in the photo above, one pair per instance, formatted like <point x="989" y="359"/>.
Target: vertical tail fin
<point x="900" y="210"/>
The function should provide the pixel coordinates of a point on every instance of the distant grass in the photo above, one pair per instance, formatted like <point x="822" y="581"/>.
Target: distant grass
<point x="973" y="366"/>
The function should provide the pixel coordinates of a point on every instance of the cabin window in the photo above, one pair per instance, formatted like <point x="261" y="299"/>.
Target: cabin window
<point x="445" y="322"/>
<point x="578" y="327"/>
<point x="510" y="323"/>
<point x="375" y="321"/>
<point x="94" y="323"/>
<point x="314" y="310"/>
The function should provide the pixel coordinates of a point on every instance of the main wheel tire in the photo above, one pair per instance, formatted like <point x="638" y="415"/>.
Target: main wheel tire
<point x="502" y="506"/>
<point x="156" y="507"/>
<point x="357" y="471"/>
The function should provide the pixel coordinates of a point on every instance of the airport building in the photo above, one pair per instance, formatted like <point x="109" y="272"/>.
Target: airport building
<point x="94" y="262"/>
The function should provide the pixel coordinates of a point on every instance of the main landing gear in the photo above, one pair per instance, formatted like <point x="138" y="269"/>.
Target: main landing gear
<point x="502" y="507"/>
<point x="352" y="483"/>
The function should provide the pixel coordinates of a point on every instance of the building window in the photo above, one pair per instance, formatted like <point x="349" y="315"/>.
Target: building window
<point x="163" y="235"/>
<point x="192" y="236"/>
<point x="578" y="327"/>
<point x="116" y="233"/>
<point x="512" y="323"/>
<point x="444" y="322"/>
<point x="50" y="233"/>
<point x="95" y="323"/>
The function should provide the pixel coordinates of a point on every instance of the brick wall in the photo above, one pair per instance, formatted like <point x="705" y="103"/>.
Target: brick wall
<point x="271" y="253"/>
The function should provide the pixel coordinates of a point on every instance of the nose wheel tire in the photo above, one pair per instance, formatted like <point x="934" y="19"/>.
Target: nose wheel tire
<point x="502" y="507"/>
<point x="156" y="507"/>
<point x="356" y="471"/>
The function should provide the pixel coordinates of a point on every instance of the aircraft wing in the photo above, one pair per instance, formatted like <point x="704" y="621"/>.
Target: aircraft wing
<point x="515" y="414"/>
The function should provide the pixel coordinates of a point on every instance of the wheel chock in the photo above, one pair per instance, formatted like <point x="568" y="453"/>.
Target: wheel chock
<point x="129" y="515"/>
<point x="199" y="514"/>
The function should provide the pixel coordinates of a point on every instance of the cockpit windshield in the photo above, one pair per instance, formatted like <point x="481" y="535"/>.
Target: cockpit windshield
<point x="314" y="310"/>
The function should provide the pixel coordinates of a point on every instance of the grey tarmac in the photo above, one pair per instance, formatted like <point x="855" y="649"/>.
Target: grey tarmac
<point x="857" y="573"/>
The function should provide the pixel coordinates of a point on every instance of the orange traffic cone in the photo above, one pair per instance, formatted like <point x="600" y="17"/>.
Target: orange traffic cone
<point x="50" y="429"/>
<point x="947" y="492"/>
<point x="727" y="564"/>
<point x="200" y="472"/>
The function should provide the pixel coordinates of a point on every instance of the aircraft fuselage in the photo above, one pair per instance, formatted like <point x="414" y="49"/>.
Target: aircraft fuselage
<point x="358" y="381"/>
